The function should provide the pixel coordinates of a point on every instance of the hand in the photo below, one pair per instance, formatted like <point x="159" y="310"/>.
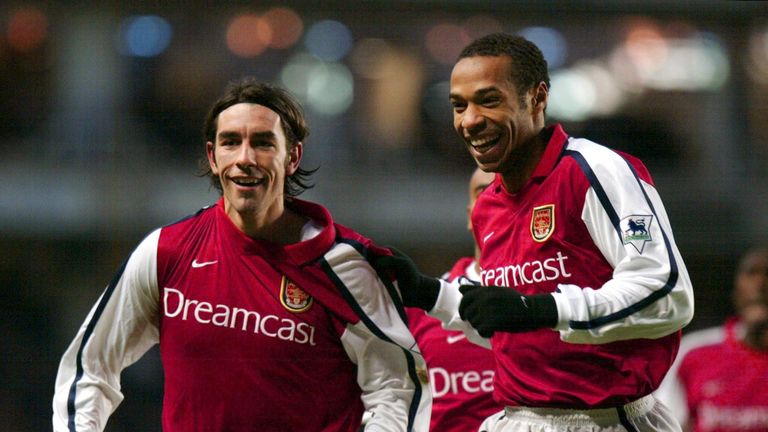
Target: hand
<point x="496" y="308"/>
<point x="416" y="289"/>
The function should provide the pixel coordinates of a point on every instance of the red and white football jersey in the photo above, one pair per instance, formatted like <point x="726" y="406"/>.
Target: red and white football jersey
<point x="718" y="384"/>
<point x="253" y="335"/>
<point x="460" y="372"/>
<point x="590" y="229"/>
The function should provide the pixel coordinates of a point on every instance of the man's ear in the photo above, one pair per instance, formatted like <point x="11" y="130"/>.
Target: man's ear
<point x="294" y="158"/>
<point x="211" y="153"/>
<point x="540" y="97"/>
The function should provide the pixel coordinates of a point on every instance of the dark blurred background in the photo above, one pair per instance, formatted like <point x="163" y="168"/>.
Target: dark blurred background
<point x="101" y="109"/>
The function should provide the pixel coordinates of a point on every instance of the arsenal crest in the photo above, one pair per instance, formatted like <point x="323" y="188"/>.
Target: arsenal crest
<point x="294" y="298"/>
<point x="543" y="222"/>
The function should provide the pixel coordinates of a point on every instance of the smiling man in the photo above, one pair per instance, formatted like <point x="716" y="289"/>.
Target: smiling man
<point x="268" y="315"/>
<point x="582" y="290"/>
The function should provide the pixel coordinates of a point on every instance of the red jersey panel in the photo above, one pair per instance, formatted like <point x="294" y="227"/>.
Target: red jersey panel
<point x="239" y="338"/>
<point x="725" y="385"/>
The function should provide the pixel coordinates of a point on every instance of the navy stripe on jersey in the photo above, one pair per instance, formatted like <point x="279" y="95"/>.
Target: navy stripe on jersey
<point x="624" y="420"/>
<point x="611" y="212"/>
<point x="189" y="216"/>
<point x="345" y="292"/>
<point x="365" y="252"/>
<point x="598" y="188"/>
<point x="86" y="335"/>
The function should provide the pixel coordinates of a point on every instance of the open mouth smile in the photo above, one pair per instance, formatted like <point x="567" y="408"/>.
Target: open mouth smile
<point x="483" y="144"/>
<point x="247" y="181"/>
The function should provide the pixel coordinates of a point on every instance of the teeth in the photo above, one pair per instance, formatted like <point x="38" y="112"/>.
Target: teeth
<point x="246" y="181"/>
<point x="482" y="141"/>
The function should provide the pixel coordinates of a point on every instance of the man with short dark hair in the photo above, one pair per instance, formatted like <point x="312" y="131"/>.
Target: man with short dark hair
<point x="268" y="315"/>
<point x="582" y="291"/>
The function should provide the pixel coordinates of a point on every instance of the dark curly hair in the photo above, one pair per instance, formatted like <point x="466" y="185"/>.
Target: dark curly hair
<point x="529" y="67"/>
<point x="250" y="90"/>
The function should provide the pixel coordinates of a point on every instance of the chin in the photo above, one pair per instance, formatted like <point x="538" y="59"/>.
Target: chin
<point x="488" y="166"/>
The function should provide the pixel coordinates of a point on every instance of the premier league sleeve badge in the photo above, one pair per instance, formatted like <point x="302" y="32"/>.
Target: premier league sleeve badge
<point x="636" y="230"/>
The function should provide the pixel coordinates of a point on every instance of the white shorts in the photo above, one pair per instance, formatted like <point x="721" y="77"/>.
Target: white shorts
<point x="643" y="415"/>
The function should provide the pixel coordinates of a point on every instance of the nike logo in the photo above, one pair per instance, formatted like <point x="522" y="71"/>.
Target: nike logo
<point x="452" y="339"/>
<point x="196" y="264"/>
<point x="485" y="239"/>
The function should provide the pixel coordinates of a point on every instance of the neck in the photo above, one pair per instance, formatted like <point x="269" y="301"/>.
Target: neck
<point x="522" y="166"/>
<point x="277" y="224"/>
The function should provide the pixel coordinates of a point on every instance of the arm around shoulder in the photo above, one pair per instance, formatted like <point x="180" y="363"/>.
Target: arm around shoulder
<point x="391" y="371"/>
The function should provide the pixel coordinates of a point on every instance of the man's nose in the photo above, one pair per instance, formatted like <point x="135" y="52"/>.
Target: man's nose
<point x="245" y="155"/>
<point x="472" y="119"/>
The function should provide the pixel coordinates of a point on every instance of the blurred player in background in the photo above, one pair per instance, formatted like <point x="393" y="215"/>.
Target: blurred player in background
<point x="583" y="291"/>
<point x="720" y="377"/>
<point x="460" y="372"/>
<point x="257" y="303"/>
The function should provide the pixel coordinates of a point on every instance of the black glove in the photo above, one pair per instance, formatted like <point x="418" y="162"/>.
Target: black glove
<point x="496" y="308"/>
<point x="416" y="289"/>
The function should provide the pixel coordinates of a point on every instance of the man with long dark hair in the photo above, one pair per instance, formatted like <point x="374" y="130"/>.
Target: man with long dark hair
<point x="268" y="315"/>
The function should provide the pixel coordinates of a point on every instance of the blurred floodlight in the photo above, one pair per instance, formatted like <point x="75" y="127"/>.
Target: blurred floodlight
<point x="552" y="44"/>
<point x="295" y="74"/>
<point x="646" y="47"/>
<point x="609" y="97"/>
<point x="330" y="88"/>
<point x="573" y="97"/>
<point x="248" y="35"/>
<point x="286" y="27"/>
<point x="650" y="58"/>
<point x="145" y="35"/>
<point x="758" y="56"/>
<point x="694" y="64"/>
<point x="445" y="41"/>
<point x="328" y="40"/>
<point x="367" y="57"/>
<point x="392" y="106"/>
<point x="324" y="87"/>
<point x="27" y="29"/>
<point x="480" y="25"/>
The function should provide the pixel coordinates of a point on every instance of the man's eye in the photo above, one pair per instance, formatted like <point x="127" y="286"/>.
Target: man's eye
<point x="458" y="107"/>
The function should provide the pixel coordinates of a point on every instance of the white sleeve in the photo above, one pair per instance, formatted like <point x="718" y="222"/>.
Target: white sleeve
<point x="650" y="293"/>
<point x="446" y="309"/>
<point x="387" y="382"/>
<point x="391" y="370"/>
<point x="119" y="329"/>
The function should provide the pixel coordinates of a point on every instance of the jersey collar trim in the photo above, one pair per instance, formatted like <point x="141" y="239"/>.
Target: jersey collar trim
<point x="297" y="253"/>
<point x="553" y="151"/>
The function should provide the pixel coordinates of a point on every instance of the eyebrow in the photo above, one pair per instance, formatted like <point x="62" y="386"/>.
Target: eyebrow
<point x="479" y="93"/>
<point x="257" y="135"/>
